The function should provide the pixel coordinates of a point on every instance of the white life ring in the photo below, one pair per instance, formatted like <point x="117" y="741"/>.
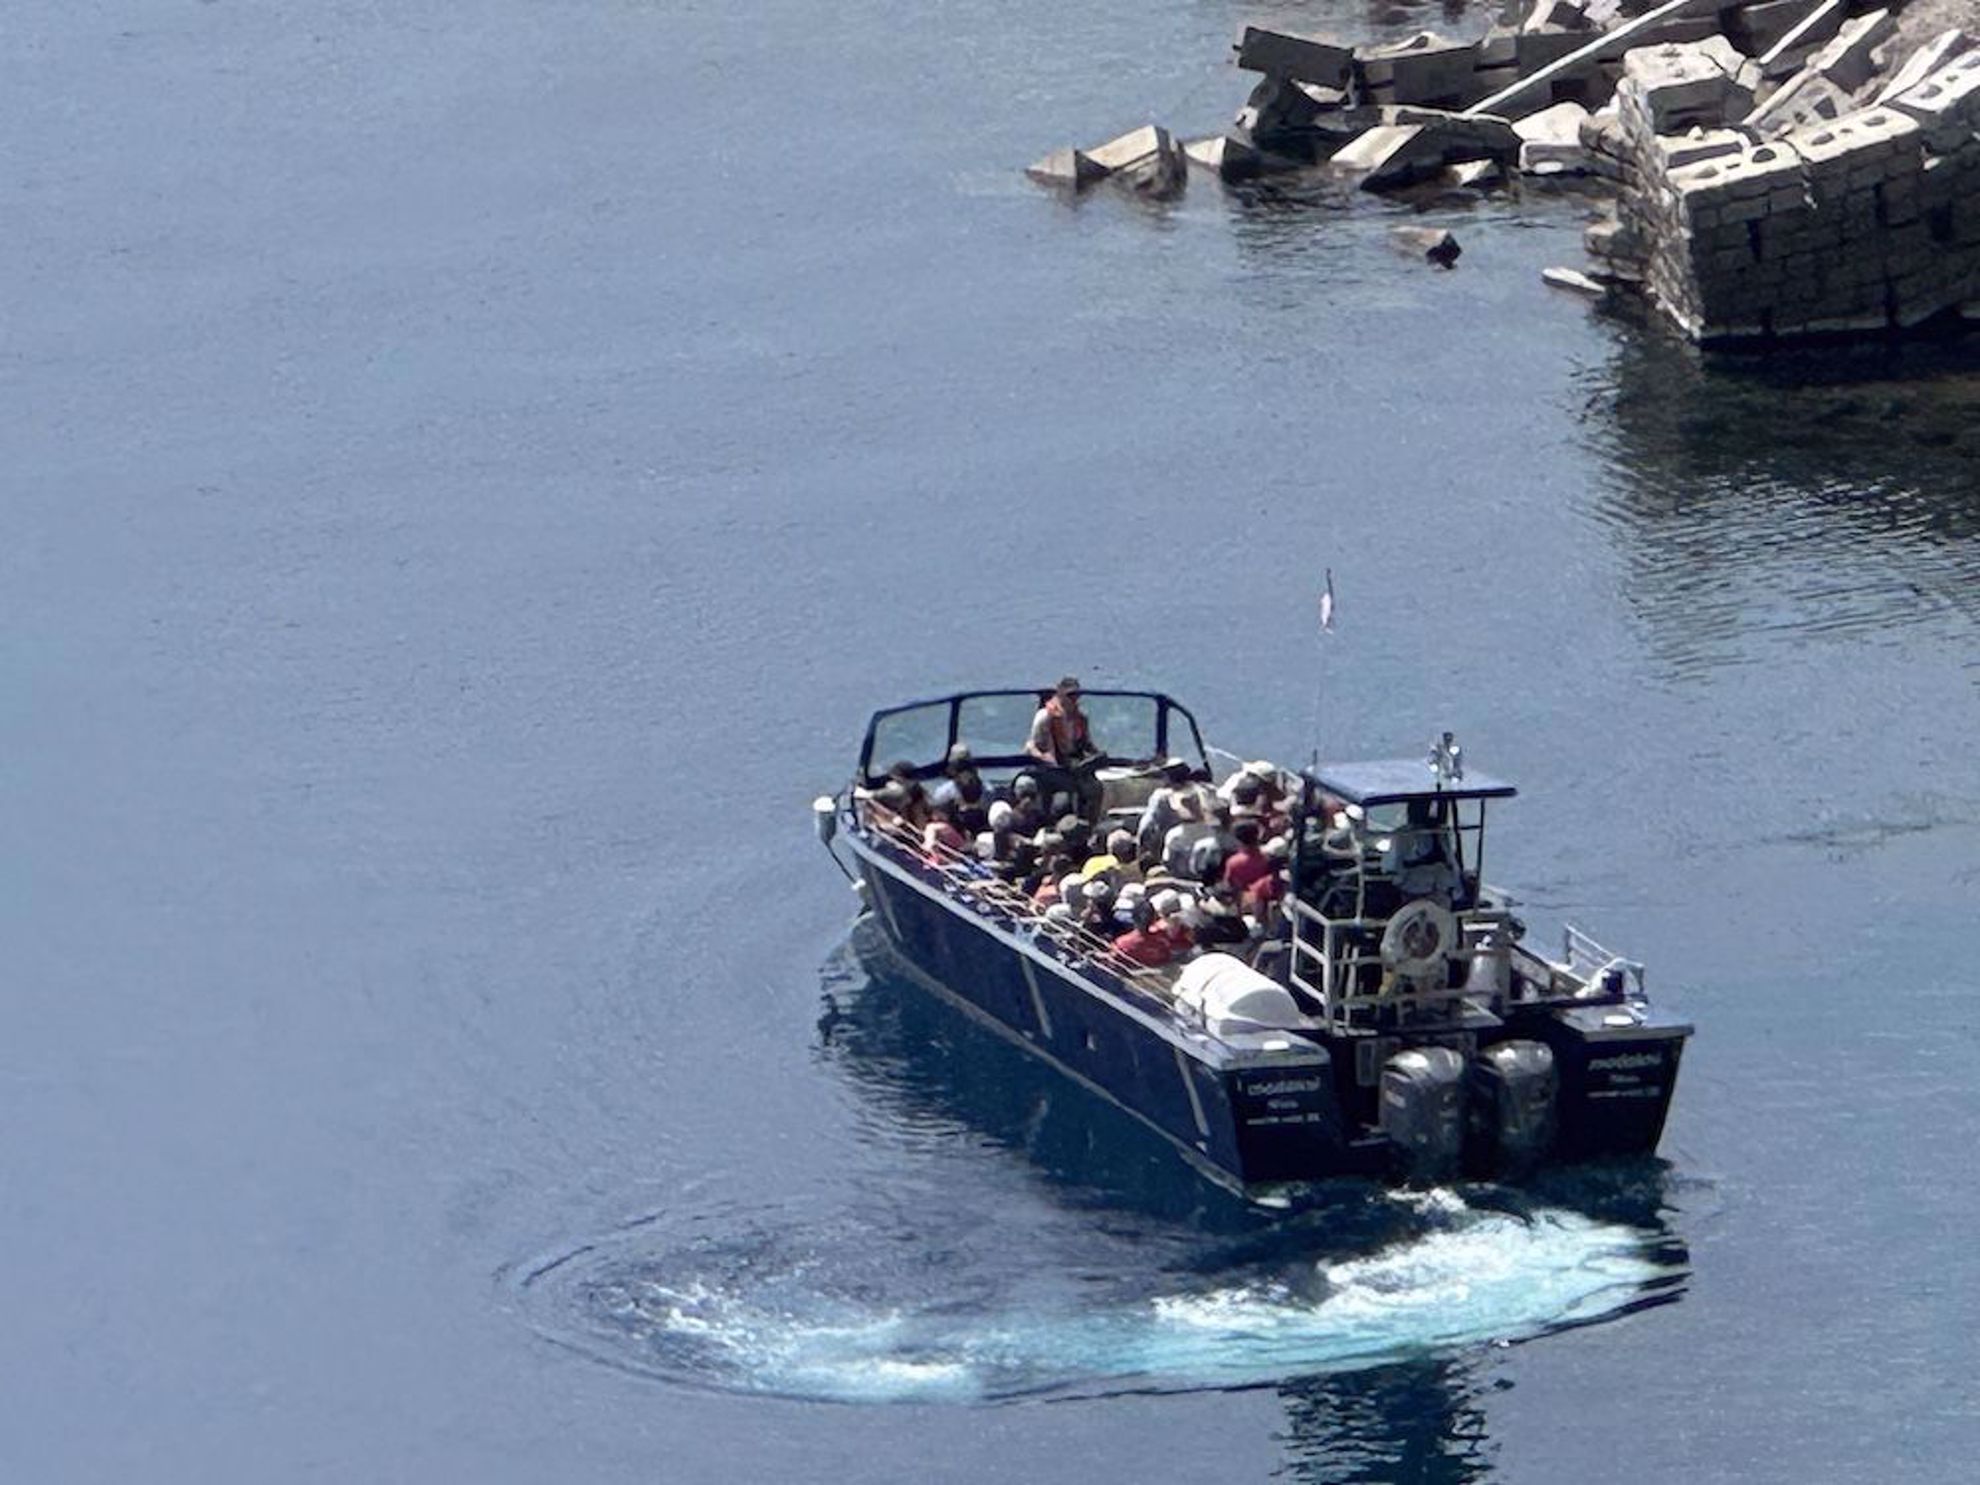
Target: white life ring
<point x="1419" y="938"/>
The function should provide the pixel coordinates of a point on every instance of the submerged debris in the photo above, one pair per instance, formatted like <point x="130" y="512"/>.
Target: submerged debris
<point x="1435" y="244"/>
<point x="1145" y="160"/>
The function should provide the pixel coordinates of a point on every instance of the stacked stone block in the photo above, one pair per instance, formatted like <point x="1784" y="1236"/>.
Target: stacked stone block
<point x="1869" y="222"/>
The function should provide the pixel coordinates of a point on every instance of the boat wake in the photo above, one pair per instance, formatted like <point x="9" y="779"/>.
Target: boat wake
<point x="862" y="1315"/>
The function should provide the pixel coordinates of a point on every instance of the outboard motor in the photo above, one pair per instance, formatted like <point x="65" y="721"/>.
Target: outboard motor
<point x="1422" y="1110"/>
<point x="1513" y="1089"/>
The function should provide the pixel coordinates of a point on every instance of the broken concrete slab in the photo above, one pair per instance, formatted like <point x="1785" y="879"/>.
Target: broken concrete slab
<point x="1068" y="169"/>
<point x="1301" y="58"/>
<point x="1131" y="148"/>
<point x="1390" y="148"/>
<point x="1230" y="159"/>
<point x="1299" y="120"/>
<point x="1145" y="160"/>
<point x="1397" y="154"/>
<point x="1922" y="63"/>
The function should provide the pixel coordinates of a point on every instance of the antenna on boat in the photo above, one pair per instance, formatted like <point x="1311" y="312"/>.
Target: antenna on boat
<point x="1447" y="760"/>
<point x="1320" y="679"/>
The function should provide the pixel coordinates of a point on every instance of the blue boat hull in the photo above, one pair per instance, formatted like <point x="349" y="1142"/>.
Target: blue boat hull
<point x="1244" y="1123"/>
<point x="1306" y="1110"/>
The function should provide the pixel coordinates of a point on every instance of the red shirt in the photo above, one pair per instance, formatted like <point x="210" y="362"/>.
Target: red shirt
<point x="1151" y="948"/>
<point x="1248" y="864"/>
<point x="1266" y="890"/>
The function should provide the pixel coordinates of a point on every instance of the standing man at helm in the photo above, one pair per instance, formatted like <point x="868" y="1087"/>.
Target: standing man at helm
<point x="1063" y="747"/>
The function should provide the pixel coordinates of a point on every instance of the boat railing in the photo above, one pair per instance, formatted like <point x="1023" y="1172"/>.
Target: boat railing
<point x="968" y="880"/>
<point x="1332" y="958"/>
<point x="1589" y="963"/>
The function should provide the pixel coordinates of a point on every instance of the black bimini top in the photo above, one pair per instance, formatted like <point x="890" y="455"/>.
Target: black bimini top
<point x="1398" y="780"/>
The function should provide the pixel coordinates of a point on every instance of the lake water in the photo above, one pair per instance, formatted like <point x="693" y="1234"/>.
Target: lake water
<point x="471" y="469"/>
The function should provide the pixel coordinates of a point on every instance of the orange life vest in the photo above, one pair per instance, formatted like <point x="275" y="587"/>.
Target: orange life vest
<point x="1069" y="735"/>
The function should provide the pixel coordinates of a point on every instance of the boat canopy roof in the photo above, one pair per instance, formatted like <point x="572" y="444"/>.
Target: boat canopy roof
<point x="996" y="724"/>
<point x="1398" y="780"/>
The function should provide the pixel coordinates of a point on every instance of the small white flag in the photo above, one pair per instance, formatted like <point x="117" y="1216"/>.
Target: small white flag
<point x="1327" y="605"/>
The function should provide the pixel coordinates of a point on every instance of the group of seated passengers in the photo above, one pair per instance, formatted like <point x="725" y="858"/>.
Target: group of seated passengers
<point x="1203" y="868"/>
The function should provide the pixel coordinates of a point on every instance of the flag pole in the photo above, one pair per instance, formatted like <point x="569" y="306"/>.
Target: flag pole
<point x="1320" y="676"/>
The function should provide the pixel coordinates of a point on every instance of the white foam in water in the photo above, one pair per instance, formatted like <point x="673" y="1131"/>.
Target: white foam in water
<point x="1488" y="1276"/>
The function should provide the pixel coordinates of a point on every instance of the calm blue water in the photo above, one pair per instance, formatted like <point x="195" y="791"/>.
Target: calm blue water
<point x="469" y="471"/>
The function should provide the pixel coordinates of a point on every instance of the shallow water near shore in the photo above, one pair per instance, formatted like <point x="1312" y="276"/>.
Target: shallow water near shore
<point x="472" y="472"/>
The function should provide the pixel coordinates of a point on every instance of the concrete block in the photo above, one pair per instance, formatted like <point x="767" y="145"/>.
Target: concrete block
<point x="1302" y="58"/>
<point x="1131" y="148"/>
<point x="1706" y="189"/>
<point x="1845" y="58"/>
<point x="1146" y="160"/>
<point x="1676" y="86"/>
<point x="1427" y="69"/>
<point x="1787" y="55"/>
<point x="1922" y="63"/>
<point x="1679" y="150"/>
<point x="1545" y="45"/>
<point x="1229" y="159"/>
<point x="1559" y="125"/>
<point x="1947" y="104"/>
<point x="1298" y="120"/>
<point x="1067" y="169"/>
<point x="1385" y="155"/>
<point x="1831" y="152"/>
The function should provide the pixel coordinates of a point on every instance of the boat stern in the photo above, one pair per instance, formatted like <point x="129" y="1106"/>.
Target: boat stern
<point x="1618" y="1066"/>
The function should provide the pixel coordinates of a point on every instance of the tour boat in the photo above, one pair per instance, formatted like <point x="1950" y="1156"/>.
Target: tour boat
<point x="1390" y="1020"/>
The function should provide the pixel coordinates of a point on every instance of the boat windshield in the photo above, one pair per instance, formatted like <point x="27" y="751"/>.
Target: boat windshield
<point x="1126" y="725"/>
